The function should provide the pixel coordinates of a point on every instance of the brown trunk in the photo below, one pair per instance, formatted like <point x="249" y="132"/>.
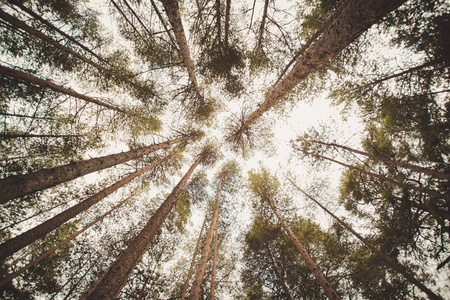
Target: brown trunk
<point x="278" y="273"/>
<point x="173" y="13"/>
<point x="15" y="244"/>
<point x="323" y="281"/>
<point x="137" y="17"/>
<point x="262" y="26"/>
<point x="8" y="136"/>
<point x="127" y="20"/>
<point x="11" y="73"/>
<point x="394" y="265"/>
<point x="117" y="275"/>
<point x="214" y="268"/>
<point x="191" y="268"/>
<point x="354" y="19"/>
<point x="402" y="164"/>
<point x="24" y="116"/>
<point x="227" y="25"/>
<point x="198" y="279"/>
<point x="20" y="185"/>
<point x="57" y="246"/>
<point x="14" y="158"/>
<point x="218" y="24"/>
<point x="163" y="22"/>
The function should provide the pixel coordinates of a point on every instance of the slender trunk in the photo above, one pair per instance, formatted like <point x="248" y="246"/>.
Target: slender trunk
<point x="137" y="17"/>
<point x="9" y="136"/>
<point x="50" y="251"/>
<point x="14" y="158"/>
<point x="384" y="178"/>
<point x="394" y="265"/>
<point x="191" y="268"/>
<point x="262" y="26"/>
<point x="227" y="25"/>
<point x="218" y="24"/>
<point x="409" y="71"/>
<point x="127" y="20"/>
<point x="354" y="19"/>
<point x="214" y="268"/>
<point x="402" y="164"/>
<point x="53" y="27"/>
<point x="25" y="116"/>
<point x="198" y="279"/>
<point x="15" y="244"/>
<point x="279" y="276"/>
<point x="173" y="13"/>
<point x="117" y="275"/>
<point x="31" y="79"/>
<point x="323" y="281"/>
<point x="163" y="22"/>
<point x="34" y="32"/>
<point x="20" y="185"/>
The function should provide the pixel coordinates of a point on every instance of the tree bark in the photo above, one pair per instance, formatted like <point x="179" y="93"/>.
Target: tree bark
<point x="163" y="23"/>
<point x="115" y="278"/>
<point x="20" y="185"/>
<point x="57" y="246"/>
<point x="278" y="273"/>
<point x="31" y="79"/>
<point x="214" y="268"/>
<point x="191" y="268"/>
<point x="198" y="280"/>
<point x="394" y="265"/>
<point x="13" y="245"/>
<point x="9" y="136"/>
<point x="402" y="164"/>
<point x="354" y="19"/>
<point x="227" y="25"/>
<point x="262" y="26"/>
<point x="323" y="281"/>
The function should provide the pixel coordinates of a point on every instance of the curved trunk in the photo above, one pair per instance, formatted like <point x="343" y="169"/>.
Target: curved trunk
<point x="214" y="268"/>
<point x="323" y="281"/>
<point x="198" y="280"/>
<point x="115" y="278"/>
<point x="394" y="265"/>
<point x="20" y="185"/>
<point x="16" y="74"/>
<point x="191" y="268"/>
<point x="15" y="244"/>
<point x="356" y="17"/>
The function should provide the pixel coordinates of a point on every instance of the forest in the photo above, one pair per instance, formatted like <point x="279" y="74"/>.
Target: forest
<point x="219" y="149"/>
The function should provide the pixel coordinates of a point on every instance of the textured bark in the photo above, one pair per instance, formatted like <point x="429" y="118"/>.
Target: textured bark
<point x="278" y="273"/>
<point x="16" y="74"/>
<point x="354" y="19"/>
<point x="262" y="26"/>
<point x="198" y="279"/>
<point x="57" y="246"/>
<point x="214" y="268"/>
<point x="115" y="278"/>
<point x="20" y="185"/>
<point x="394" y="265"/>
<point x="191" y="268"/>
<point x="34" y="32"/>
<point x="15" y="244"/>
<point x="173" y="13"/>
<point x="323" y="281"/>
<point x="402" y="164"/>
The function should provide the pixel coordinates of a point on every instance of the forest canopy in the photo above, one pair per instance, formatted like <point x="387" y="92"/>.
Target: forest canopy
<point x="216" y="149"/>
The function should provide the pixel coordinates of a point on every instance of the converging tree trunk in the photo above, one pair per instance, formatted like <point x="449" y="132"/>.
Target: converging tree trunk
<point x="214" y="268"/>
<point x="20" y="185"/>
<point x="15" y="244"/>
<point x="115" y="278"/>
<point x="278" y="273"/>
<point x="262" y="26"/>
<point x="394" y="265"/>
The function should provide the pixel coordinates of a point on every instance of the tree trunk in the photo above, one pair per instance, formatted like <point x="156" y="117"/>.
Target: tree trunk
<point x="279" y="276"/>
<point x="31" y="79"/>
<point x="163" y="23"/>
<point x="227" y="25"/>
<point x="402" y="164"/>
<point x="117" y="275"/>
<point x="218" y="24"/>
<point x="394" y="265"/>
<point x="57" y="246"/>
<point x="262" y="26"/>
<point x="214" y="268"/>
<point x="355" y="18"/>
<point x="9" y="136"/>
<point x="15" y="244"/>
<point x="408" y="71"/>
<point x="198" y="280"/>
<point x="191" y="268"/>
<point x="25" y="116"/>
<point x="323" y="281"/>
<point x="20" y="185"/>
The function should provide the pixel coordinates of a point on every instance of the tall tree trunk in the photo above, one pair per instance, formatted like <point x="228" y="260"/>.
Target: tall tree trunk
<point x="214" y="268"/>
<point x="262" y="26"/>
<point x="402" y="164"/>
<point x="137" y="17"/>
<point x="161" y="19"/>
<point x="278" y="273"/>
<point x="31" y="79"/>
<point x="218" y="24"/>
<point x="394" y="265"/>
<point x="9" y="136"/>
<point x="25" y="116"/>
<point x="15" y="244"/>
<point x="173" y="13"/>
<point x="20" y="185"/>
<point x="323" y="281"/>
<point x="191" y="268"/>
<point x="34" y="32"/>
<point x="198" y="279"/>
<point x="57" y="246"/>
<point x="354" y="19"/>
<point x="117" y="275"/>
<point x="227" y="26"/>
